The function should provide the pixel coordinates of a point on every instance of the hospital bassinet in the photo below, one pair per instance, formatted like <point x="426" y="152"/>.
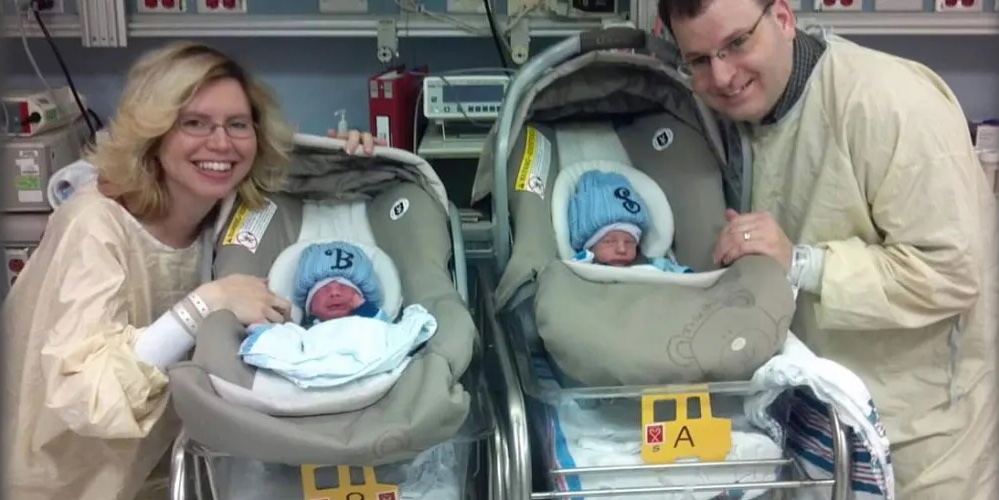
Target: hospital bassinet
<point x="606" y="356"/>
<point x="420" y="431"/>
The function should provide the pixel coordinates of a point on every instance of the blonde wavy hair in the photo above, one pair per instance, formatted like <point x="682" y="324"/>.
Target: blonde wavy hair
<point x="157" y="87"/>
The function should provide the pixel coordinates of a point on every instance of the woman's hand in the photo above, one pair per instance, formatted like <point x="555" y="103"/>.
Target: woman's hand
<point x="247" y="297"/>
<point x="355" y="138"/>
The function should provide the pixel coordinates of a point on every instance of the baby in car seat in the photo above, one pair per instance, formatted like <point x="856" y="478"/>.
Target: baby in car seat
<point x="606" y="220"/>
<point x="334" y="280"/>
<point x="345" y="334"/>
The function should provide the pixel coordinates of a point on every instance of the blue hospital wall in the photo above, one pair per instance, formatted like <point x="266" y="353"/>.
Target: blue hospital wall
<point x="314" y="77"/>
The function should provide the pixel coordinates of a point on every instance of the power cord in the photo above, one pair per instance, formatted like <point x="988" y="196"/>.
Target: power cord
<point x="85" y="113"/>
<point x="496" y="36"/>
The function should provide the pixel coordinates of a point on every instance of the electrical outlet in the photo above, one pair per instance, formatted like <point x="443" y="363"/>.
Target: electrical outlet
<point x="898" y="5"/>
<point x="833" y="5"/>
<point x="958" y="6"/>
<point x="161" y="6"/>
<point x="466" y="7"/>
<point x="342" y="6"/>
<point x="221" y="6"/>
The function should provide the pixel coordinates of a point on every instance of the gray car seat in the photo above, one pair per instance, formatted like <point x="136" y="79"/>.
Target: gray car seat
<point x="613" y="327"/>
<point x="406" y="209"/>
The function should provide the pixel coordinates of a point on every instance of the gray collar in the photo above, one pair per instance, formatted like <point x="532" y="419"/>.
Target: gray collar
<point x="807" y="51"/>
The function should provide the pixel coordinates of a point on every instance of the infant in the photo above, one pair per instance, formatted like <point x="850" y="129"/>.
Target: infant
<point x="344" y="335"/>
<point x="334" y="280"/>
<point x="606" y="220"/>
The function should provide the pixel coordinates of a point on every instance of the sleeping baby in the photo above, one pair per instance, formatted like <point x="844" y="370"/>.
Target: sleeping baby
<point x="606" y="220"/>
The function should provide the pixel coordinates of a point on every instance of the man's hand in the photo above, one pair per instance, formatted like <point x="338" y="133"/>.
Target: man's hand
<point x="752" y="233"/>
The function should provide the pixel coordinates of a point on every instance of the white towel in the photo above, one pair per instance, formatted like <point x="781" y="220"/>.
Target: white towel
<point x="68" y="180"/>
<point x="340" y="351"/>
<point x="805" y="386"/>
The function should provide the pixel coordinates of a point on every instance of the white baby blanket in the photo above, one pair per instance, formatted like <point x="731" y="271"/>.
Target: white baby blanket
<point x="803" y="386"/>
<point x="339" y="351"/>
<point x="339" y="366"/>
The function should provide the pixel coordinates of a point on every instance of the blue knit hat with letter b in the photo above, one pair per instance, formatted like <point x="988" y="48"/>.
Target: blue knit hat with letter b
<point x="322" y="263"/>
<point x="604" y="202"/>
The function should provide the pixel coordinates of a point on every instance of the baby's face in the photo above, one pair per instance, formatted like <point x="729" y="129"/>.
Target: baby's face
<point x="616" y="248"/>
<point x="335" y="300"/>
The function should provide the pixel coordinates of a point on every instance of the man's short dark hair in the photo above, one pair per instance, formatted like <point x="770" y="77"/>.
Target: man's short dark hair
<point x="685" y="9"/>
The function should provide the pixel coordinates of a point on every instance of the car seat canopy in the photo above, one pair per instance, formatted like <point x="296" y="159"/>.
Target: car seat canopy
<point x="606" y="326"/>
<point x="394" y="203"/>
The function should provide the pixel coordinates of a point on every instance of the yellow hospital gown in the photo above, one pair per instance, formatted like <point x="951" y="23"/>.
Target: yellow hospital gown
<point x="877" y="152"/>
<point x="84" y="419"/>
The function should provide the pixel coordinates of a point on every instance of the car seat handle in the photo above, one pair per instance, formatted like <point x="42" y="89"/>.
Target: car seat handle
<point x="612" y="38"/>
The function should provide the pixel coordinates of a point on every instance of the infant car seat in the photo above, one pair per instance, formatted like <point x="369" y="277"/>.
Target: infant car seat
<point x="395" y="206"/>
<point x="628" y="112"/>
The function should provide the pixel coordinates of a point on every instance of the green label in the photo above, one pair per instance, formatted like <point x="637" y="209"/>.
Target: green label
<point x="28" y="182"/>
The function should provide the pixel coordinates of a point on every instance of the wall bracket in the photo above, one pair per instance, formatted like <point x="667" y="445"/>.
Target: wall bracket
<point x="103" y="23"/>
<point x="520" y="41"/>
<point x="388" y="41"/>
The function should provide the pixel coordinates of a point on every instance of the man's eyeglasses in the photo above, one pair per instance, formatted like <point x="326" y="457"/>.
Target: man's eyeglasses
<point x="736" y="46"/>
<point x="235" y="129"/>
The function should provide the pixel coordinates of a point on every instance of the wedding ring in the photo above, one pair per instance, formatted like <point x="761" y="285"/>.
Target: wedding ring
<point x="746" y="236"/>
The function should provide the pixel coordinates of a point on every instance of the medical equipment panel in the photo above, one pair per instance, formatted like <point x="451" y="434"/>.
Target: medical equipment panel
<point x="466" y="97"/>
<point x="19" y="236"/>
<point x="31" y="112"/>
<point x="28" y="162"/>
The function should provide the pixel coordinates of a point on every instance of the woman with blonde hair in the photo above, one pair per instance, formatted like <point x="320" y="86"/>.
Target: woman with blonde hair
<point x="112" y="295"/>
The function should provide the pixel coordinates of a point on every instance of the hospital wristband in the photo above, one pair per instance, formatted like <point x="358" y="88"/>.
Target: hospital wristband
<point x="186" y="318"/>
<point x="807" y="264"/>
<point x="199" y="304"/>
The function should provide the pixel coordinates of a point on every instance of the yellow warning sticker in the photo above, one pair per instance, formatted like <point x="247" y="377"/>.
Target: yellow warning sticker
<point x="532" y="175"/>
<point x="247" y="227"/>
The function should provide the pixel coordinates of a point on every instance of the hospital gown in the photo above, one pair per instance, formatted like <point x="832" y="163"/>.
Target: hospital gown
<point x="877" y="152"/>
<point x="84" y="419"/>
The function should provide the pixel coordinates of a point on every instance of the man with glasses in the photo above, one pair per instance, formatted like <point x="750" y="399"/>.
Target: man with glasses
<point x="867" y="189"/>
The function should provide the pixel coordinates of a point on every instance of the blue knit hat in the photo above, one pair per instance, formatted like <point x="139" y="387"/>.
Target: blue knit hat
<point x="604" y="202"/>
<point x="323" y="263"/>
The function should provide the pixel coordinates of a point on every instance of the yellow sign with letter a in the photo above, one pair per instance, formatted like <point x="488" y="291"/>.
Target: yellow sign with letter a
<point x="349" y="483"/>
<point x="681" y="426"/>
